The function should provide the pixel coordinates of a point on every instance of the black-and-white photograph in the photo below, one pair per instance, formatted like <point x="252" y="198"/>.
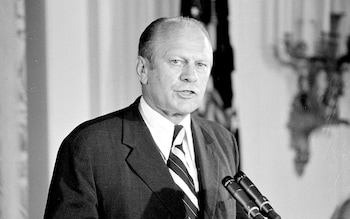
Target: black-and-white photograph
<point x="182" y="109"/>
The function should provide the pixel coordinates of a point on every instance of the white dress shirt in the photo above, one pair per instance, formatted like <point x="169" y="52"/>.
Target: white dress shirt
<point x="162" y="131"/>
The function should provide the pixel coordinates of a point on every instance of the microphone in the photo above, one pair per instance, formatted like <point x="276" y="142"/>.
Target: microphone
<point x="264" y="204"/>
<point x="237" y="192"/>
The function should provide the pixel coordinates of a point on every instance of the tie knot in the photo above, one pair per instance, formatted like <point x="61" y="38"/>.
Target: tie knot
<point x="179" y="133"/>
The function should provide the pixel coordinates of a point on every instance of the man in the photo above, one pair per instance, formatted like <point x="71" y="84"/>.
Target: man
<point x="119" y="165"/>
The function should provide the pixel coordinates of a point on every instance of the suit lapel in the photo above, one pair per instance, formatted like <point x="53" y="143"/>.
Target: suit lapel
<point x="207" y="164"/>
<point x="146" y="161"/>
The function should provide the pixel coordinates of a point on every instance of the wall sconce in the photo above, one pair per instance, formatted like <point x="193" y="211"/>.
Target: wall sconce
<point x="320" y="82"/>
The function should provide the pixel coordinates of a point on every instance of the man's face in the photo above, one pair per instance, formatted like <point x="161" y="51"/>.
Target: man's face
<point x="174" y="84"/>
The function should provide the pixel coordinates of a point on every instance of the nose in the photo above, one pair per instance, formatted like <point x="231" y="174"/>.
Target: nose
<point x="189" y="73"/>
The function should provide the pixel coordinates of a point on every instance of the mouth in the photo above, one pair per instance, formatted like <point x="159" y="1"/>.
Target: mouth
<point x="186" y="93"/>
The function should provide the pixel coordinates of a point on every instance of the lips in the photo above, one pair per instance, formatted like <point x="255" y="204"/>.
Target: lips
<point x="186" y="93"/>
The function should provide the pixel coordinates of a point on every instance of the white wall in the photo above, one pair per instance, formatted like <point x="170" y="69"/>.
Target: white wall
<point x="67" y="69"/>
<point x="264" y="91"/>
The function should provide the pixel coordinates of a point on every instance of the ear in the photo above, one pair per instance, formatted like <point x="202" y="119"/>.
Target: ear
<point x="142" y="69"/>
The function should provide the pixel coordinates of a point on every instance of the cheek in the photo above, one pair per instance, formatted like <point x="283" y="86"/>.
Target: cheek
<point x="161" y="85"/>
<point x="167" y="80"/>
<point x="204" y="81"/>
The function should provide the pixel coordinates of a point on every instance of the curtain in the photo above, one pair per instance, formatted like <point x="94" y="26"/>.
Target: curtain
<point x="13" y="112"/>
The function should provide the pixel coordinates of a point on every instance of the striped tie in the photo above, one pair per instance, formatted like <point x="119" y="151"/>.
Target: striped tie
<point x="178" y="169"/>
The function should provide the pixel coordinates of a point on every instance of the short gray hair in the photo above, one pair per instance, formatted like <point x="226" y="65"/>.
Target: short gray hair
<point x="147" y="38"/>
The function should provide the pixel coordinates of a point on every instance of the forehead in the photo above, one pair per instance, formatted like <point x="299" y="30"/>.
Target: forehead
<point x="173" y="30"/>
<point x="190" y="38"/>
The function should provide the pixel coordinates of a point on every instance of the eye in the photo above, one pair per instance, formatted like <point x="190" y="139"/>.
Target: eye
<point x="176" y="62"/>
<point x="202" y="64"/>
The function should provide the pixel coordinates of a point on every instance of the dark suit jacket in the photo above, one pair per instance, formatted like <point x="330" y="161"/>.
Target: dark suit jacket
<point x="110" y="167"/>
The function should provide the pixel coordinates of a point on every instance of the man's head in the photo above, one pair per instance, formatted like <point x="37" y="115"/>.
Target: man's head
<point x="174" y="64"/>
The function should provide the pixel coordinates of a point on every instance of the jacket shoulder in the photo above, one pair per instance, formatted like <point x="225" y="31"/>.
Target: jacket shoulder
<point x="211" y="126"/>
<point x="110" y="122"/>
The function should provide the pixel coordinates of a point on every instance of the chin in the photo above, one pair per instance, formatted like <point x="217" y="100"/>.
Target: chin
<point x="187" y="106"/>
<point x="188" y="110"/>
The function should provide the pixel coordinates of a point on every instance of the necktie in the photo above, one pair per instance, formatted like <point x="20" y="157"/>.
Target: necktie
<point x="178" y="169"/>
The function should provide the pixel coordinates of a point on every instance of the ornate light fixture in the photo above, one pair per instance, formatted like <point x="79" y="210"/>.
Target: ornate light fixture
<point x="320" y="85"/>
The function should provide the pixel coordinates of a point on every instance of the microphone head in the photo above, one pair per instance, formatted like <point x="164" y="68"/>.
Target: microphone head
<point x="253" y="192"/>
<point x="239" y="176"/>
<point x="225" y="181"/>
<point x="238" y="193"/>
<point x="273" y="215"/>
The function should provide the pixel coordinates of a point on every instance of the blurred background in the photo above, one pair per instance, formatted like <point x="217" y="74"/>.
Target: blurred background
<point x="280" y="83"/>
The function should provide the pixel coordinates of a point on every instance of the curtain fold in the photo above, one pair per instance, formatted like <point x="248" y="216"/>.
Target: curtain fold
<point x="13" y="112"/>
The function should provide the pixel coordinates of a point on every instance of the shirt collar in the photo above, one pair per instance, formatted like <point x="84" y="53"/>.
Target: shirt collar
<point x="161" y="128"/>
